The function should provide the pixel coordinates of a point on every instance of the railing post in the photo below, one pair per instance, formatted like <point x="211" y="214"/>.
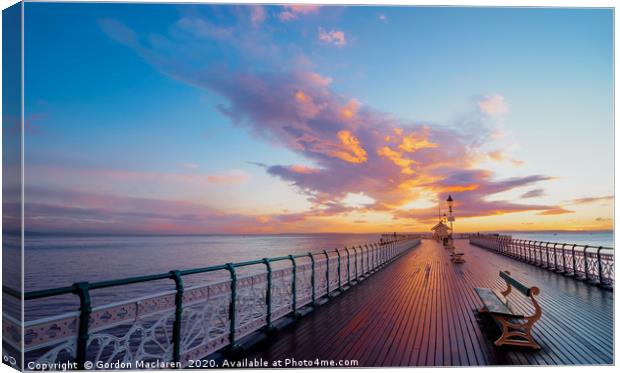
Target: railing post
<point x="339" y="277"/>
<point x="600" y="266"/>
<point x="547" y="265"/>
<point x="585" y="262"/>
<point x="373" y="258"/>
<point x="574" y="261"/>
<point x="384" y="253"/>
<point x="268" y="292"/>
<point x="555" y="256"/>
<point x="294" y="284"/>
<point x="368" y="258"/>
<point x="365" y="263"/>
<point x="348" y="266"/>
<point x="563" y="258"/>
<point x="232" y="309"/>
<point x="356" y="272"/>
<point x="82" y="290"/>
<point x="326" y="273"/>
<point x="178" y="315"/>
<point x="313" y="279"/>
<point x="527" y="251"/>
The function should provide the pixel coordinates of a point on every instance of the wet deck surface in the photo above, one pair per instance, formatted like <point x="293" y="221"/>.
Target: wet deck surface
<point x="421" y="310"/>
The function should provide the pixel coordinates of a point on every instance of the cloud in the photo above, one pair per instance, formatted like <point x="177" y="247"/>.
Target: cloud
<point x="333" y="37"/>
<point x="603" y="220"/>
<point x="257" y="14"/>
<point x="500" y="156"/>
<point x="57" y="210"/>
<point x="353" y="148"/>
<point x="190" y="166"/>
<point x="493" y="105"/>
<point x="294" y="11"/>
<point x="117" y="31"/>
<point x="204" y="28"/>
<point x="586" y="200"/>
<point x="383" y="18"/>
<point x="533" y="193"/>
<point x="556" y="211"/>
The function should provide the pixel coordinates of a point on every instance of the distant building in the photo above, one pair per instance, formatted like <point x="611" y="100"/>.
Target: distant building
<point x="440" y="231"/>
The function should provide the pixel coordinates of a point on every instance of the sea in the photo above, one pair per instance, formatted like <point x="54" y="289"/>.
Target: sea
<point x="61" y="260"/>
<point x="595" y="238"/>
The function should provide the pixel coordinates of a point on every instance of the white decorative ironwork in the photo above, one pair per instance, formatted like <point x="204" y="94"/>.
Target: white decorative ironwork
<point x="594" y="264"/>
<point x="142" y="329"/>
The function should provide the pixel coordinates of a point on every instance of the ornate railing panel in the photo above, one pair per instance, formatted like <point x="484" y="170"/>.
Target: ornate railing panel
<point x="592" y="264"/>
<point x="191" y="323"/>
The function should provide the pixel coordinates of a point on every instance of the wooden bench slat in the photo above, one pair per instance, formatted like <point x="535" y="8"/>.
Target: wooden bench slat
<point x="493" y="304"/>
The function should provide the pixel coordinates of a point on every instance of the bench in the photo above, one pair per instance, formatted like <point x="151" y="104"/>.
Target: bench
<point x="516" y="327"/>
<point x="457" y="257"/>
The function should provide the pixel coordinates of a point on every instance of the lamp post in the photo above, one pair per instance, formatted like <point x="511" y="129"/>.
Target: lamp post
<point x="450" y="218"/>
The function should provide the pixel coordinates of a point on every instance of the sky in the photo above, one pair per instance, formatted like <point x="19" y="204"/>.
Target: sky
<point x="143" y="118"/>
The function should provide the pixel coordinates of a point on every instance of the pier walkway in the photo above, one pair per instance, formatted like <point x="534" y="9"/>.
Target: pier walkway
<point x="421" y="310"/>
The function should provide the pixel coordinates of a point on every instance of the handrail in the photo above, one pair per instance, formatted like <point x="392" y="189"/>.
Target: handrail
<point x="231" y="309"/>
<point x="595" y="265"/>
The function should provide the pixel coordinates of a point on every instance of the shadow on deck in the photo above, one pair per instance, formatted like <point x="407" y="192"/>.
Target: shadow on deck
<point x="422" y="311"/>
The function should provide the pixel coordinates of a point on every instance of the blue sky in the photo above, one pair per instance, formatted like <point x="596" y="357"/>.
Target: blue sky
<point x="155" y="104"/>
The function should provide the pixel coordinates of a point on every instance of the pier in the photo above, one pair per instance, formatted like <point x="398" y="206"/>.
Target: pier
<point x="423" y="311"/>
<point x="397" y="302"/>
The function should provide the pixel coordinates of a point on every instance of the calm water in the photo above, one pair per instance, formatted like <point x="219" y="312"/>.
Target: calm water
<point x="54" y="261"/>
<point x="605" y="239"/>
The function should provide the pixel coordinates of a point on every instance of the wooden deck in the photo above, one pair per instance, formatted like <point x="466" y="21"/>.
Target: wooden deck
<point x="421" y="310"/>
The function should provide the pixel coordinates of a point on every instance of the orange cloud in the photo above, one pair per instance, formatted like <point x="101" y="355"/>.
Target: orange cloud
<point x="460" y="188"/>
<point x="352" y="151"/>
<point x="500" y="156"/>
<point x="556" y="211"/>
<point x="394" y="156"/>
<point x="415" y="141"/>
<point x="301" y="96"/>
<point x="349" y="110"/>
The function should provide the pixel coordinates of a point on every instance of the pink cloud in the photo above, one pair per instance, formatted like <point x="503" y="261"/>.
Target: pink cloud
<point x="585" y="200"/>
<point x="294" y="11"/>
<point x="204" y="29"/>
<point x="257" y="14"/>
<point x="500" y="156"/>
<point x="333" y="37"/>
<point x="54" y="210"/>
<point x="493" y="105"/>
<point x="117" y="31"/>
